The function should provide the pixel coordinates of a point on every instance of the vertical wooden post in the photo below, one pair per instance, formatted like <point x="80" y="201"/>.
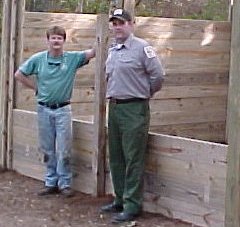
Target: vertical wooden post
<point x="15" y="41"/>
<point x="98" y="161"/>
<point x="19" y="32"/>
<point x="232" y="201"/>
<point x="230" y="5"/>
<point x="114" y="4"/>
<point x="5" y="58"/>
<point x="129" y="5"/>
<point x="10" y="83"/>
<point x="19" y="47"/>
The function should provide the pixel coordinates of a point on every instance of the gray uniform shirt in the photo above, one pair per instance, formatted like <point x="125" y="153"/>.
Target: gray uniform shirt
<point x="133" y="70"/>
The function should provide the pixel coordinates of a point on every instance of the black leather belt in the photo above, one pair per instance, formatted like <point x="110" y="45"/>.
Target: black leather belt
<point x="122" y="101"/>
<point x="54" y="106"/>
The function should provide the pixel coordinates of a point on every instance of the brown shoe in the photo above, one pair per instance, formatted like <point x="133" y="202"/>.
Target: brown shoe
<point x="67" y="192"/>
<point x="48" y="191"/>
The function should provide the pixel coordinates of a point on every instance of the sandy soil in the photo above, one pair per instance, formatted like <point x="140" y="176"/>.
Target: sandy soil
<point x="20" y="206"/>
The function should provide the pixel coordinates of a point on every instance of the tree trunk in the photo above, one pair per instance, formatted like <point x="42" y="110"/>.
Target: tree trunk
<point x="79" y="8"/>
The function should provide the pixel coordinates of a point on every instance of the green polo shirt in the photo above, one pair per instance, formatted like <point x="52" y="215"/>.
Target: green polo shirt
<point x="54" y="75"/>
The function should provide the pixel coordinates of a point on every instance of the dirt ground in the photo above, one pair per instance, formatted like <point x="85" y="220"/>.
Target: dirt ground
<point x="21" y="206"/>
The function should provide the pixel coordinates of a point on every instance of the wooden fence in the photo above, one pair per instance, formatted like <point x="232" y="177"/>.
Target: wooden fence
<point x="195" y="54"/>
<point x="184" y="178"/>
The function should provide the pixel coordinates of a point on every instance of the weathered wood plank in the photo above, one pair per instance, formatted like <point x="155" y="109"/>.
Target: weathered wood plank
<point x="129" y="5"/>
<point x="184" y="179"/>
<point x="5" y="66"/>
<point x="232" y="210"/>
<point x="190" y="29"/>
<point x="29" y="161"/>
<point x="196" y="79"/>
<point x="207" y="131"/>
<point x="99" y="138"/>
<point x="195" y="55"/>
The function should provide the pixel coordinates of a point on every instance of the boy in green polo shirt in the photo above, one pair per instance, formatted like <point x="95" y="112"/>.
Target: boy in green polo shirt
<point x="54" y="70"/>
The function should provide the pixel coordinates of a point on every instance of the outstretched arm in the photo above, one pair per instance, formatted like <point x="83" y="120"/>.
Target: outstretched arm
<point x="90" y="53"/>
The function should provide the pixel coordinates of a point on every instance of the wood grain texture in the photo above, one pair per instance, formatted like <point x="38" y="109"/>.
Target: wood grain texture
<point x="184" y="178"/>
<point x="195" y="54"/>
<point x="232" y="215"/>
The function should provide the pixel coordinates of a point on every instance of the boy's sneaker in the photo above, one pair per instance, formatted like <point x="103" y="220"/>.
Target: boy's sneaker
<point x="48" y="191"/>
<point x="67" y="192"/>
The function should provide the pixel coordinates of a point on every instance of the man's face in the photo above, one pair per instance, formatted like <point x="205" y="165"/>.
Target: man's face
<point x="121" y="29"/>
<point x="55" y="42"/>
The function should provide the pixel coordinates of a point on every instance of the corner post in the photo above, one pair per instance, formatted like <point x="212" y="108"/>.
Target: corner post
<point x="232" y="201"/>
<point x="99" y="155"/>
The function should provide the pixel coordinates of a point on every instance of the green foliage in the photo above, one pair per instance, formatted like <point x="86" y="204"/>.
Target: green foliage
<point x="67" y="6"/>
<point x="97" y="6"/>
<point x="214" y="10"/>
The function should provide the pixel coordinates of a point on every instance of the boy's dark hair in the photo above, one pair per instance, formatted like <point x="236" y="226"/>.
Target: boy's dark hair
<point x="56" y="30"/>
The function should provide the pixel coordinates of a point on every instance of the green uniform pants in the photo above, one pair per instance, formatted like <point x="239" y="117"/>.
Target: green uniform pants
<point x="128" y="134"/>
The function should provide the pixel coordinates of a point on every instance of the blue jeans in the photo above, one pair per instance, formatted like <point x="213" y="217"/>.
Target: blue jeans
<point x="55" y="141"/>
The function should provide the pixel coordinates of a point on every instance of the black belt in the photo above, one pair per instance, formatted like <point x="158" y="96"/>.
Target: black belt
<point x="122" y="101"/>
<point x="54" y="106"/>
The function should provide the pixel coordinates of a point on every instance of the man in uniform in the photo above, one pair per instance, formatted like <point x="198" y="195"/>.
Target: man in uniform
<point x="134" y="74"/>
<point x="55" y="71"/>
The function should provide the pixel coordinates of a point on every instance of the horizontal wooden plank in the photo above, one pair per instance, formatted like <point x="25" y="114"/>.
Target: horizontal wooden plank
<point x="207" y="131"/>
<point x="188" y="92"/>
<point x="185" y="104"/>
<point x="188" y="149"/>
<point x="184" y="117"/>
<point x="196" y="79"/>
<point x="189" y="29"/>
<point x="84" y="109"/>
<point x="45" y="20"/>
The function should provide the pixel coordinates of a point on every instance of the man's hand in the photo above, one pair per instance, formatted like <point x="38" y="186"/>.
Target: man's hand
<point x="91" y="53"/>
<point x="28" y="82"/>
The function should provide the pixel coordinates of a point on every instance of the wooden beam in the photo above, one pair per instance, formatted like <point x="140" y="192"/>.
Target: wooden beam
<point x="115" y="4"/>
<point x="230" y="6"/>
<point x="129" y="5"/>
<point x="19" y="49"/>
<point x="232" y="201"/>
<point x="5" y="58"/>
<point x="98" y="162"/>
<point x="10" y="83"/>
<point x="17" y="12"/>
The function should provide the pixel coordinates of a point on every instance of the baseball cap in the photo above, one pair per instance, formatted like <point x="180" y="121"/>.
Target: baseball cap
<point x="121" y="14"/>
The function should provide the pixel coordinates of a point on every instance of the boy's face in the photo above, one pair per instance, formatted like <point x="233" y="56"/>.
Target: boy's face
<point x="55" y="42"/>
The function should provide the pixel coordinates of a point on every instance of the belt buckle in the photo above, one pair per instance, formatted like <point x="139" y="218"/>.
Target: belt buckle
<point x="54" y="106"/>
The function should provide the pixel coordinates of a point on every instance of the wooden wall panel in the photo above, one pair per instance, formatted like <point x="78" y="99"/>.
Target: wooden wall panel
<point x="28" y="160"/>
<point x="184" y="178"/>
<point x="195" y="56"/>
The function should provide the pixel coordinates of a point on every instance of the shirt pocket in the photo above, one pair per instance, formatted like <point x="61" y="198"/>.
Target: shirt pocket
<point x="130" y="61"/>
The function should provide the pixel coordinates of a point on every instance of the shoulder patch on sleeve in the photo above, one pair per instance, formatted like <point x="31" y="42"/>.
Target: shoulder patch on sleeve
<point x="149" y="52"/>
